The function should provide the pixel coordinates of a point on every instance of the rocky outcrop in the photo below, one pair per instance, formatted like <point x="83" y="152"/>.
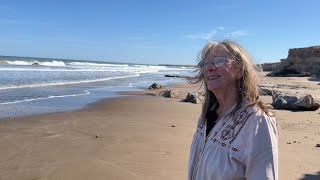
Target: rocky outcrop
<point x="269" y="66"/>
<point x="177" y="76"/>
<point x="193" y="98"/>
<point x="303" y="53"/>
<point x="169" y="93"/>
<point x="289" y="71"/>
<point x="300" y="62"/>
<point x="265" y="91"/>
<point x="156" y="86"/>
<point x="35" y="63"/>
<point x="294" y="102"/>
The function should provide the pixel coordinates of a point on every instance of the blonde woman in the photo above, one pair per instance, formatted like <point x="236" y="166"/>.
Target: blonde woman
<point x="236" y="135"/>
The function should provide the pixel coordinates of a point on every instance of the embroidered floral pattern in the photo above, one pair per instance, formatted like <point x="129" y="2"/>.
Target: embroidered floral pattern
<point x="225" y="145"/>
<point x="231" y="131"/>
<point x="228" y="132"/>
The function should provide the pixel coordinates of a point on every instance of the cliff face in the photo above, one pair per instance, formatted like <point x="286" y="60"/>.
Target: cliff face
<point x="300" y="62"/>
<point x="270" y="66"/>
<point x="302" y="53"/>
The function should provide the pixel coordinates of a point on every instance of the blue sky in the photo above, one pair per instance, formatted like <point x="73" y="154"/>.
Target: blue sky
<point x="154" y="32"/>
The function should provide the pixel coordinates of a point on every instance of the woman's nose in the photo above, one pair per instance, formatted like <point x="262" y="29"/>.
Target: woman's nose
<point x="211" y="67"/>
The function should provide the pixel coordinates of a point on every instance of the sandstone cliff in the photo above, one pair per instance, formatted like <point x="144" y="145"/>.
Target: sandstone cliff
<point x="300" y="62"/>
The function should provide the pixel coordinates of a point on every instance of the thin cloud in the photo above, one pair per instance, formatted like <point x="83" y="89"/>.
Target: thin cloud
<point x="135" y="38"/>
<point x="225" y="6"/>
<point x="8" y="11"/>
<point x="155" y="34"/>
<point x="218" y="33"/>
<point x="6" y="8"/>
<point x="205" y="36"/>
<point x="150" y="47"/>
<point x="21" y="22"/>
<point x="239" y="33"/>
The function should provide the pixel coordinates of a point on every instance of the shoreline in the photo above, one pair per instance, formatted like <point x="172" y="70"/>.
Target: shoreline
<point x="134" y="137"/>
<point x="63" y="103"/>
<point x="116" y="95"/>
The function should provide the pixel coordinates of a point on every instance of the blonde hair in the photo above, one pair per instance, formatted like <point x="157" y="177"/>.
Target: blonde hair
<point x="247" y="86"/>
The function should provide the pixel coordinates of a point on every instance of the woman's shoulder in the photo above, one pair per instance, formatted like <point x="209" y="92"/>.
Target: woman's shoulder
<point x="252" y="120"/>
<point x="257" y="115"/>
<point x="259" y="123"/>
<point x="256" y="129"/>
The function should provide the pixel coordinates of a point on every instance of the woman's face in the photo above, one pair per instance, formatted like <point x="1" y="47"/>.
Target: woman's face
<point x="222" y="76"/>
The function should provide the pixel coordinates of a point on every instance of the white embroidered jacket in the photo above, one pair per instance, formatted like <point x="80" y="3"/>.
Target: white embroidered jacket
<point x="242" y="147"/>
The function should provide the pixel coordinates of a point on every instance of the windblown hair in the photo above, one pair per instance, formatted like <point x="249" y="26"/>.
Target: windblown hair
<point x="247" y="87"/>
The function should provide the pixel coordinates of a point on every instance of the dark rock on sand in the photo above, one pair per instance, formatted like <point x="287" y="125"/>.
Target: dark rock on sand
<point x="192" y="97"/>
<point x="287" y="71"/>
<point x="152" y="94"/>
<point x="169" y="93"/>
<point x="177" y="76"/>
<point x="156" y="86"/>
<point x="293" y="102"/>
<point x="265" y="91"/>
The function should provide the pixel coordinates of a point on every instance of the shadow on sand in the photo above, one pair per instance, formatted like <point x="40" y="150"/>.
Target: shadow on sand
<point x="315" y="78"/>
<point x="311" y="176"/>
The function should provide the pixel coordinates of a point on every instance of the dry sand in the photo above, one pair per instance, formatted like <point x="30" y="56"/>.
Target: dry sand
<point x="137" y="137"/>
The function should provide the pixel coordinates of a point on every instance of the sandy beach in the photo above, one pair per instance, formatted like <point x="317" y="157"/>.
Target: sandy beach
<point x="139" y="137"/>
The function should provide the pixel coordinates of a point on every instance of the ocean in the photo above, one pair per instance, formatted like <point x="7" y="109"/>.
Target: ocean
<point x="40" y="85"/>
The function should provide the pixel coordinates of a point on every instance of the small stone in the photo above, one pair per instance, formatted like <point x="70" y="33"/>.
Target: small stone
<point x="97" y="136"/>
<point x="288" y="142"/>
<point x="173" y="126"/>
<point x="152" y="94"/>
<point x="317" y="145"/>
<point x="294" y="141"/>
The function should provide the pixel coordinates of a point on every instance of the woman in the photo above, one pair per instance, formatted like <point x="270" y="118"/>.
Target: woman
<point x="236" y="135"/>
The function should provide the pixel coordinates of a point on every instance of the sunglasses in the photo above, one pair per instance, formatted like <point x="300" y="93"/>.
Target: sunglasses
<point x="217" y="61"/>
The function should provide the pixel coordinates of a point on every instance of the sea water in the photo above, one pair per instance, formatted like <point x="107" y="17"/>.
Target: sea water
<point x="39" y="85"/>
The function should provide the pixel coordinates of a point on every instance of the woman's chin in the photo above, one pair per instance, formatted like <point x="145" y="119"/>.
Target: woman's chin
<point x="216" y="88"/>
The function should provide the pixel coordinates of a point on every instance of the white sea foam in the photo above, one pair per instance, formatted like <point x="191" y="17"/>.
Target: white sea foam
<point x="66" y="83"/>
<point x="53" y="63"/>
<point x="24" y="63"/>
<point x="139" y="71"/>
<point x="49" y="97"/>
<point x="96" y="64"/>
<point x="61" y="70"/>
<point x="137" y="65"/>
<point x="40" y="63"/>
